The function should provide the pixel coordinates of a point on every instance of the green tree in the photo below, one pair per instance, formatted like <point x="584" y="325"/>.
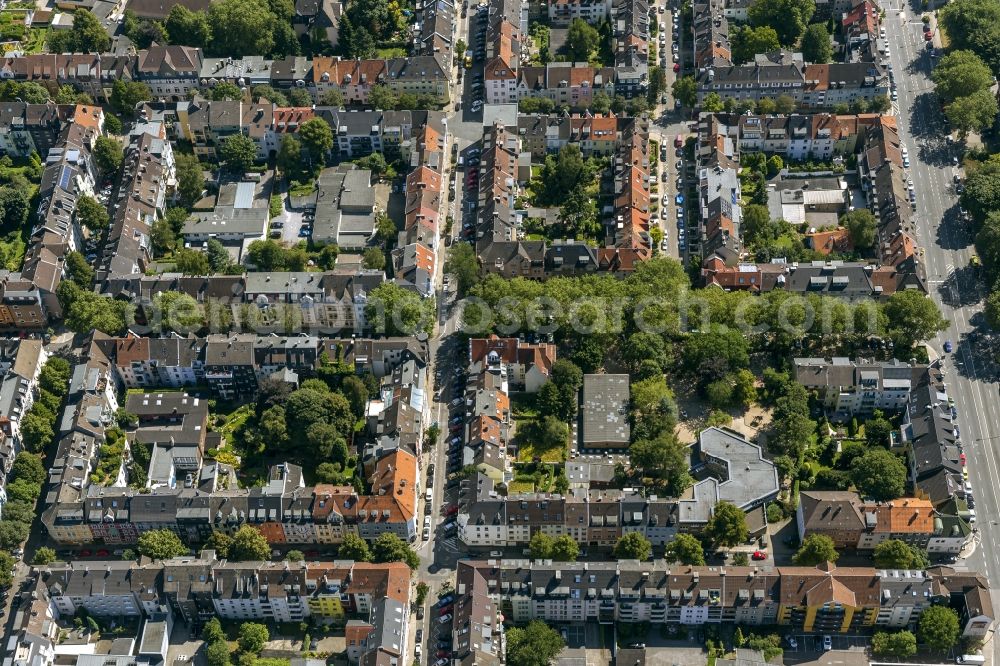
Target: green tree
<point x="712" y="103"/>
<point x="897" y="554"/>
<point x="294" y="556"/>
<point x="564" y="548"/>
<point x="877" y="431"/>
<point x="960" y="74"/>
<point x="88" y="35"/>
<point x="912" y="317"/>
<point x="91" y="214"/>
<point x="79" y="270"/>
<point x="176" y="311"/>
<point x="686" y="549"/>
<point x="938" y="628"/>
<point x="784" y="104"/>
<point x="317" y="138"/>
<point x="188" y="28"/>
<point x="582" y="39"/>
<point x="332" y="97"/>
<point x="191" y="262"/>
<point x="988" y="238"/>
<point x="36" y="431"/>
<point x="540" y="546"/>
<point x="747" y="41"/>
<point x="861" y="226"/>
<point x="898" y="644"/>
<point x="160" y="545"/>
<point x="6" y="566"/>
<point x="85" y="310"/>
<point x="248" y="545"/>
<point x="12" y="535"/>
<point x="14" y="206"/>
<point x="388" y="547"/>
<point x="218" y="257"/>
<point x="633" y="546"/>
<point x="220" y="542"/>
<point x="190" y="179"/>
<point x="601" y="103"/>
<point x="28" y="467"/>
<point x="108" y="155"/>
<point x="992" y="310"/>
<point x="382" y="97"/>
<point x="393" y="310"/>
<point x="974" y="25"/>
<point x="253" y="636"/>
<point x="727" y="526"/>
<point x="744" y="388"/>
<point x="44" y="555"/>
<point x="553" y="433"/>
<point x="239" y="152"/>
<point x="354" y="548"/>
<point x="224" y="90"/>
<point x="816" y="549"/>
<point x="217" y="652"/>
<point x="816" y="45"/>
<point x="789" y="18"/>
<point x="463" y="264"/>
<point x="664" y="457"/>
<point x="241" y="27"/>
<point x="879" y="474"/>
<point x="212" y="630"/>
<point x="973" y="113"/>
<point x="535" y="645"/>
<point x="126" y="95"/>
<point x="373" y="258"/>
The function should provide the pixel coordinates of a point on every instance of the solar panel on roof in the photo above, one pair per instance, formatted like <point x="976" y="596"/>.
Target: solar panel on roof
<point x="64" y="177"/>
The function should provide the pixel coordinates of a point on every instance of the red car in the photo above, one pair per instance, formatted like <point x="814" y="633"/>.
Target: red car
<point x="961" y="457"/>
<point x="759" y="555"/>
<point x="85" y="553"/>
<point x="443" y="653"/>
<point x="445" y="610"/>
<point x="103" y="553"/>
<point x="928" y="36"/>
<point x="452" y="510"/>
<point x="677" y="67"/>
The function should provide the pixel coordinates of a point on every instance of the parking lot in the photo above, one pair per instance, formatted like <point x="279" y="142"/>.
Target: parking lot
<point x="814" y="643"/>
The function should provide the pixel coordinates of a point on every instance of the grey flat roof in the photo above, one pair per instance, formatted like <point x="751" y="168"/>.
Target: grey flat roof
<point x="605" y="409"/>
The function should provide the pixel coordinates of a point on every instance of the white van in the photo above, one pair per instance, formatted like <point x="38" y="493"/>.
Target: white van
<point x="970" y="659"/>
<point x="429" y="495"/>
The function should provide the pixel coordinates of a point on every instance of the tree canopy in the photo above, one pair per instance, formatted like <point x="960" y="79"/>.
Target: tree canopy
<point x="248" y="545"/>
<point x="727" y="526"/>
<point x="816" y="45"/>
<point x="747" y="41"/>
<point x="789" y="18"/>
<point x="633" y="546"/>
<point x="938" y="628"/>
<point x="160" y="545"/>
<point x="879" y="474"/>
<point x="582" y="39"/>
<point x="537" y="644"/>
<point x="686" y="549"/>
<point x="816" y="549"/>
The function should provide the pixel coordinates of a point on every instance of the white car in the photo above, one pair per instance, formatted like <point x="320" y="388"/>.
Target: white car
<point x="445" y="619"/>
<point x="427" y="534"/>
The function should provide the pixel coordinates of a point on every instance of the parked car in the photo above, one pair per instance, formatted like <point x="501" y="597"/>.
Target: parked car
<point x="445" y="619"/>
<point x="759" y="555"/>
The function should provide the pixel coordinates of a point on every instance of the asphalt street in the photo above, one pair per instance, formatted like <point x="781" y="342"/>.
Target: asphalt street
<point x="952" y="282"/>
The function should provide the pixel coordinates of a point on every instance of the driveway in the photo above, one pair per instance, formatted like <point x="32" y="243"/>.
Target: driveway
<point x="291" y="221"/>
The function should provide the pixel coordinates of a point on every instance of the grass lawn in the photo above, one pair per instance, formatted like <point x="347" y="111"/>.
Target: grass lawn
<point x="526" y="424"/>
<point x="392" y="52"/>
<point x="301" y="189"/>
<point x="515" y="487"/>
